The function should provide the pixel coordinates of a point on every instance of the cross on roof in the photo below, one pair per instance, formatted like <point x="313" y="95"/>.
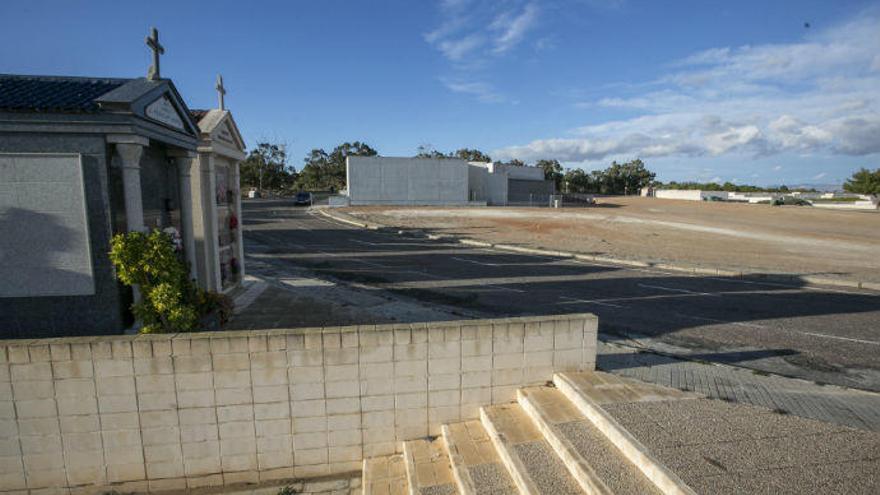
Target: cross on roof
<point x="153" y="42"/>
<point x="221" y="91"/>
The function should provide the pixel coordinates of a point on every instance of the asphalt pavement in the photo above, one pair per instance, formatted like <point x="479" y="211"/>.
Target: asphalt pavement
<point x="828" y="335"/>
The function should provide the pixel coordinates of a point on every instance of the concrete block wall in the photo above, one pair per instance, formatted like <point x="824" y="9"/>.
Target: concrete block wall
<point x="406" y="181"/>
<point x="165" y="412"/>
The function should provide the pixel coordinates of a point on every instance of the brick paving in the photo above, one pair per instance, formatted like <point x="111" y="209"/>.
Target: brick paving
<point x="847" y="407"/>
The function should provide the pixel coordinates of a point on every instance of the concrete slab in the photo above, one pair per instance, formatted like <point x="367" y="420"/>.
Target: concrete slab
<point x="384" y="476"/>
<point x="428" y="468"/>
<point x="475" y="463"/>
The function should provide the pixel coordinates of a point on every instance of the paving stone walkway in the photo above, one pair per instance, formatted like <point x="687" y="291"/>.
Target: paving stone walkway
<point x="848" y="407"/>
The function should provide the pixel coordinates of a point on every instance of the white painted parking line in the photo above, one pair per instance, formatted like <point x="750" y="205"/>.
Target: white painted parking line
<point x="725" y="322"/>
<point x="370" y="263"/>
<point x="673" y="289"/>
<point x="835" y="337"/>
<point x="390" y="244"/>
<point x="475" y="262"/>
<point x="571" y="300"/>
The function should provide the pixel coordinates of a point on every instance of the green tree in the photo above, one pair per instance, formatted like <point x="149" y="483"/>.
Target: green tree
<point x="863" y="181"/>
<point x="577" y="181"/>
<point x="326" y="171"/>
<point x="552" y="171"/>
<point x="266" y="168"/>
<point x="472" y="155"/>
<point x="428" y="151"/>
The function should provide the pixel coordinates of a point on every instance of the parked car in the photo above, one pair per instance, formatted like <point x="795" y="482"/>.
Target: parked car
<point x="303" y="198"/>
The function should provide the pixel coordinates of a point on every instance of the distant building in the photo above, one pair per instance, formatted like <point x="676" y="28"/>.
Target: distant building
<point x="690" y="194"/>
<point x="443" y="181"/>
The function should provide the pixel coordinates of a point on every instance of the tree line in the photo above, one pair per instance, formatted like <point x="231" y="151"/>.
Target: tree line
<point x="266" y="168"/>
<point x="728" y="186"/>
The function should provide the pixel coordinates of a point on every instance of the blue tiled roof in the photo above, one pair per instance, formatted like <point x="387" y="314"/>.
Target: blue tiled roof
<point x="53" y="93"/>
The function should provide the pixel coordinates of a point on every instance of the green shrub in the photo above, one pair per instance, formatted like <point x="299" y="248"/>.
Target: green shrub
<point x="170" y="301"/>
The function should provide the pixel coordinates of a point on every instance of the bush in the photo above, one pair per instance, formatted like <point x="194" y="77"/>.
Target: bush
<point x="790" y="201"/>
<point x="170" y="301"/>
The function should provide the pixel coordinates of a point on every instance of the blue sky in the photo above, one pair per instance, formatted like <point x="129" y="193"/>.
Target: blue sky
<point x="700" y="90"/>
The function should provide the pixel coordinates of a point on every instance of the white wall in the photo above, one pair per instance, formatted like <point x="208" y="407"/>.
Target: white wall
<point x="407" y="181"/>
<point x="478" y="178"/>
<point x="151" y="413"/>
<point x="497" y="189"/>
<point x="515" y="172"/>
<point x="689" y="195"/>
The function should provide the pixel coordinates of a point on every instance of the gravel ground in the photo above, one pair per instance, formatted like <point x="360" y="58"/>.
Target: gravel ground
<point x="756" y="238"/>
<point x="724" y="448"/>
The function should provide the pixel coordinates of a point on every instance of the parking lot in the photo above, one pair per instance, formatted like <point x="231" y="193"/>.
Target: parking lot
<point x="822" y="334"/>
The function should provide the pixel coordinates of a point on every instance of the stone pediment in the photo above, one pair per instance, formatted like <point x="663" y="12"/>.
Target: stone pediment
<point x="219" y="127"/>
<point x="155" y="101"/>
<point x="162" y="110"/>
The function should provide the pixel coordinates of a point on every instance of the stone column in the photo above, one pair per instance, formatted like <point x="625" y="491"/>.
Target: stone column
<point x="207" y="208"/>
<point x="185" y="161"/>
<point x="239" y="241"/>
<point x="130" y="161"/>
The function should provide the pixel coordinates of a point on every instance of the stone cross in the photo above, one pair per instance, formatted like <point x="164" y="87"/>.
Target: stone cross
<point x="221" y="91"/>
<point x="153" y="42"/>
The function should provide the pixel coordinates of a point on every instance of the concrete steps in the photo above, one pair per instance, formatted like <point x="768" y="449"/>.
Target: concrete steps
<point x="475" y="463"/>
<point x="586" y="391"/>
<point x="427" y="467"/>
<point x="555" y="439"/>
<point x="384" y="476"/>
<point x="596" y="464"/>
<point x="529" y="458"/>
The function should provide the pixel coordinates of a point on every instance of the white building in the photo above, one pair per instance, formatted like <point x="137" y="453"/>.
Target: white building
<point x="442" y="181"/>
<point x="690" y="194"/>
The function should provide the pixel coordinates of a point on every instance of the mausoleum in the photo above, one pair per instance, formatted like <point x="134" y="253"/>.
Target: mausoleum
<point x="82" y="159"/>
<point x="217" y="198"/>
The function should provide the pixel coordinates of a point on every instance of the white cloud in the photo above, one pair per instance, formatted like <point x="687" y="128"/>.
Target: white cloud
<point x="818" y="95"/>
<point x="481" y="30"/>
<point x="483" y="91"/>
<point x="512" y="28"/>
<point x="820" y="176"/>
<point x="472" y="34"/>
<point x="456" y="50"/>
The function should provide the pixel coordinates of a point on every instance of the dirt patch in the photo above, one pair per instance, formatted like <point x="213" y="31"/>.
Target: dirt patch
<point x="755" y="238"/>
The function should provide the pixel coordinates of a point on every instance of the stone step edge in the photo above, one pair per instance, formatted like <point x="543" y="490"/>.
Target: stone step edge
<point x="410" y="468"/>
<point x="512" y="462"/>
<point x="585" y="476"/>
<point x="662" y="477"/>
<point x="366" y="478"/>
<point x="462" y="478"/>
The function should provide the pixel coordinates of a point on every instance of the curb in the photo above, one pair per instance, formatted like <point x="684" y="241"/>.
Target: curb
<point x="461" y="475"/>
<point x="664" y="479"/>
<point x="695" y="270"/>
